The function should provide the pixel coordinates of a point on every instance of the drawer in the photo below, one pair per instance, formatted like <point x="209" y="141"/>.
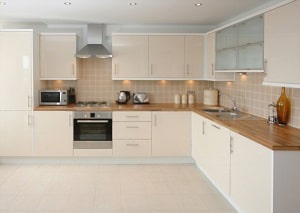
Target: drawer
<point x="132" y="130"/>
<point x="131" y="116"/>
<point x="132" y="148"/>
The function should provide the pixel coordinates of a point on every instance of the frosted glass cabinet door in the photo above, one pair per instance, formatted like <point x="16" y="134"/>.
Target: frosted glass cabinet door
<point x="16" y="70"/>
<point x="226" y="38"/>
<point x="251" y="56"/>
<point x="251" y="31"/>
<point x="226" y="59"/>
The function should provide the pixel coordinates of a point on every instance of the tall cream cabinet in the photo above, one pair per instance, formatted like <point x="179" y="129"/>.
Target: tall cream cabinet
<point x="282" y="46"/>
<point x="157" y="57"/>
<point x="210" y="58"/>
<point x="57" y="56"/>
<point x="130" y="56"/>
<point x="18" y="61"/>
<point x="171" y="134"/>
<point x="47" y="125"/>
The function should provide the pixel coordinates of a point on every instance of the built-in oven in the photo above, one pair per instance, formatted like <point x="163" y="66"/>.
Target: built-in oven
<point x="92" y="130"/>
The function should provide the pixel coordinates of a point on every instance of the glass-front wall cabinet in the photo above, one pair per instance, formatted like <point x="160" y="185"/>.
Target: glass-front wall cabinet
<point x="240" y="46"/>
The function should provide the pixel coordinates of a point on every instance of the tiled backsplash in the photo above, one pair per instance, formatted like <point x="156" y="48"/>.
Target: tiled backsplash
<point x="95" y="83"/>
<point x="253" y="97"/>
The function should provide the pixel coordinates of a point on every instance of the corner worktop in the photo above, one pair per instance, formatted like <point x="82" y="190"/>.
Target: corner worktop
<point x="272" y="136"/>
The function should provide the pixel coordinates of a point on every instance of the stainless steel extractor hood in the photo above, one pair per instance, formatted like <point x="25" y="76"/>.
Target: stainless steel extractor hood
<point x="94" y="47"/>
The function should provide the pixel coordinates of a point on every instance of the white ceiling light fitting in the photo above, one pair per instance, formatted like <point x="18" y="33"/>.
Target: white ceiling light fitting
<point x="67" y="3"/>
<point x="132" y="3"/>
<point x="2" y="3"/>
<point x="198" y="4"/>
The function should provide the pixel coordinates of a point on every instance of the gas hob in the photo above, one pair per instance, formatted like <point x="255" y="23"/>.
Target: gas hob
<point x="92" y="104"/>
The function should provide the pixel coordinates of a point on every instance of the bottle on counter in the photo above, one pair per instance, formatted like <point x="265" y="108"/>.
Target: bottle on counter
<point x="191" y="98"/>
<point x="283" y="108"/>
<point x="177" y="99"/>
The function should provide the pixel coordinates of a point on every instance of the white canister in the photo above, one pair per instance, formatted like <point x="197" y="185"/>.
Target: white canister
<point x="191" y="99"/>
<point x="177" y="99"/>
<point x="211" y="96"/>
<point x="184" y="99"/>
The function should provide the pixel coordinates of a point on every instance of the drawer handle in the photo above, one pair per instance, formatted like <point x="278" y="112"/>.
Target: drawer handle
<point x="132" y="116"/>
<point x="132" y="127"/>
<point x="217" y="127"/>
<point x="132" y="144"/>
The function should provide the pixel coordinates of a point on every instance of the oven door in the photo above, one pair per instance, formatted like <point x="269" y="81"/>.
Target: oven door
<point x="92" y="134"/>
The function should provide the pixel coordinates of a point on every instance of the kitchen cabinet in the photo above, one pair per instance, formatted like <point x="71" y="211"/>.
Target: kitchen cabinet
<point x="57" y="56"/>
<point x="166" y="56"/>
<point x="16" y="70"/>
<point x="132" y="134"/>
<point x="251" y="175"/>
<point x="214" y="154"/>
<point x="197" y="137"/>
<point x="130" y="56"/>
<point x="282" y="46"/>
<point x="240" y="47"/>
<point x="209" y="65"/>
<point x="193" y="49"/>
<point x="16" y="133"/>
<point x="171" y="134"/>
<point x="53" y="133"/>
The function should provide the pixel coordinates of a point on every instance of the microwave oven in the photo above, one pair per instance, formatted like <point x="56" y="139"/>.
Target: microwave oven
<point x="53" y="97"/>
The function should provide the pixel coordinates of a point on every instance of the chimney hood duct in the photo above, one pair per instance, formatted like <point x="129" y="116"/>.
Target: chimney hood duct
<point x="94" y="47"/>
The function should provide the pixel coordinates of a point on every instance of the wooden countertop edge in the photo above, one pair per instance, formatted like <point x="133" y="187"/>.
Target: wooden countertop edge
<point x="268" y="135"/>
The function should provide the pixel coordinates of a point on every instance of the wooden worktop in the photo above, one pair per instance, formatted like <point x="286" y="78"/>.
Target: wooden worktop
<point x="272" y="136"/>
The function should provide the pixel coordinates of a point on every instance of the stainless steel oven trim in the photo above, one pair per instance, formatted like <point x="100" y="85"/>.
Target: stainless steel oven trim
<point x="92" y="144"/>
<point x="92" y="121"/>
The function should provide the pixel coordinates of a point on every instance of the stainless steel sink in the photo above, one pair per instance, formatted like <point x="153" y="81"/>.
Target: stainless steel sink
<point x="227" y="114"/>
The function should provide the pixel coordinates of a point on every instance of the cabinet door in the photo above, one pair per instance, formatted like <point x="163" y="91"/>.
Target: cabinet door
<point x="251" y="175"/>
<point x="166" y="56"/>
<point x="16" y="133"/>
<point x="215" y="156"/>
<point x="53" y="133"/>
<point x="282" y="44"/>
<point x="193" y="56"/>
<point x="197" y="137"/>
<point x="57" y="57"/>
<point x="16" y="70"/>
<point x="171" y="134"/>
<point x="130" y="56"/>
<point x="210" y="73"/>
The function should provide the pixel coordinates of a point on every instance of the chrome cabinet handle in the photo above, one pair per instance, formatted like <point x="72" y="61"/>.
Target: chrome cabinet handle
<point x="115" y="69"/>
<point x="217" y="127"/>
<point x="132" y="127"/>
<point x="73" y="69"/>
<point x="155" y="120"/>
<point x="203" y="127"/>
<point x="231" y="145"/>
<point x="132" y="116"/>
<point x="265" y="67"/>
<point x="132" y="144"/>
<point x="70" y="119"/>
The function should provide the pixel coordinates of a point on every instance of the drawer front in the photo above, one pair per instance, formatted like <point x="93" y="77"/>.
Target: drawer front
<point x="131" y="116"/>
<point x="131" y="130"/>
<point x="132" y="148"/>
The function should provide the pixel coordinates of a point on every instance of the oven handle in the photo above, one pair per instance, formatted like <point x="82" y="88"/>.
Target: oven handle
<point x="92" y="121"/>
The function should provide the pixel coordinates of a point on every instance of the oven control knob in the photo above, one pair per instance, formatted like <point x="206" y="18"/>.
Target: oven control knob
<point x="85" y="115"/>
<point x="98" y="116"/>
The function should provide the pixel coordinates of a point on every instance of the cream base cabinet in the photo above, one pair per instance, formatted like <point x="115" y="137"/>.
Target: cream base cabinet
<point x="166" y="56"/>
<point x="251" y="175"/>
<point x="131" y="134"/>
<point x="130" y="56"/>
<point x="53" y="133"/>
<point x="57" y="56"/>
<point x="16" y="70"/>
<point x="215" y="154"/>
<point x="16" y="133"/>
<point x="197" y="137"/>
<point x="171" y="134"/>
<point x="282" y="46"/>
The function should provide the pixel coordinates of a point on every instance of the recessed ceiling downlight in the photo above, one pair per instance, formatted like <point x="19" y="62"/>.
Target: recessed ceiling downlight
<point x="2" y="3"/>
<point x="198" y="4"/>
<point x="67" y="3"/>
<point x="132" y="3"/>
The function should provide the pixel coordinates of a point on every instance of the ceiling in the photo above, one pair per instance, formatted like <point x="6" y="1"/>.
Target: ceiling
<point x="153" y="12"/>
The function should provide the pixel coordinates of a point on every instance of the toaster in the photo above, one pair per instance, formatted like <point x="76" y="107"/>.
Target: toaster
<point x="140" y="98"/>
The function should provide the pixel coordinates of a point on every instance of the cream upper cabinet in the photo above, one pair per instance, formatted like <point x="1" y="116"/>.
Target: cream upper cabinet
<point x="251" y="175"/>
<point x="166" y="56"/>
<point x="46" y="126"/>
<point x="16" y="133"/>
<point x="171" y="134"/>
<point x="193" y="56"/>
<point x="130" y="56"/>
<point x="57" y="57"/>
<point x="282" y="46"/>
<point x="209" y="65"/>
<point x="16" y="70"/>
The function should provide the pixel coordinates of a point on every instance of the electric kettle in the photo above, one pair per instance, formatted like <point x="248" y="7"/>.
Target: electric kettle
<point x="123" y="97"/>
